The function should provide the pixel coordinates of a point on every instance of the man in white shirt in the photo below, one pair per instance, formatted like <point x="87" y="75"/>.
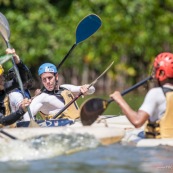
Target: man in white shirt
<point x="54" y="97"/>
<point x="154" y="106"/>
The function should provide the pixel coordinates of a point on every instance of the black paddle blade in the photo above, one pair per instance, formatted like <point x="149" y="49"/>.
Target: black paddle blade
<point x="87" y="27"/>
<point x="91" y="109"/>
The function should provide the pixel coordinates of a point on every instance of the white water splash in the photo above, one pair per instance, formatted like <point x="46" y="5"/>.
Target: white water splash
<point x="46" y="146"/>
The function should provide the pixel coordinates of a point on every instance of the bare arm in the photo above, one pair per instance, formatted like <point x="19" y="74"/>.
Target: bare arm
<point x="137" y="118"/>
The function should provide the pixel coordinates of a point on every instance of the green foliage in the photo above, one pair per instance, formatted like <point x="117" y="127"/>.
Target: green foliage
<point x="132" y="33"/>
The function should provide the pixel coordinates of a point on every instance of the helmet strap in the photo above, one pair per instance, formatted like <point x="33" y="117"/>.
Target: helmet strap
<point x="159" y="83"/>
<point x="56" y="86"/>
<point x="56" y="83"/>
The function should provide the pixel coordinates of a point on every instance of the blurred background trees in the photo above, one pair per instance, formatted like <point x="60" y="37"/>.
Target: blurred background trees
<point x="131" y="35"/>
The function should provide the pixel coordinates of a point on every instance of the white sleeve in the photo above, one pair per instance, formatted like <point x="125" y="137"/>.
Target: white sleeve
<point x="91" y="90"/>
<point x="34" y="107"/>
<point x="15" y="99"/>
<point x="154" y="102"/>
<point x="76" y="89"/>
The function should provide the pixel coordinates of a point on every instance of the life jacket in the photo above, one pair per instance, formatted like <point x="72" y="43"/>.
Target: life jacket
<point x="6" y="110"/>
<point x="162" y="128"/>
<point x="72" y="112"/>
<point x="27" y="93"/>
<point x="7" y="106"/>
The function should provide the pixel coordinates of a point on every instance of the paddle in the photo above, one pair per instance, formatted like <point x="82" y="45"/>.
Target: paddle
<point x="87" y="27"/>
<point x="80" y="94"/>
<point x="5" y="58"/>
<point x="92" y="108"/>
<point x="5" y="32"/>
<point x="7" y="134"/>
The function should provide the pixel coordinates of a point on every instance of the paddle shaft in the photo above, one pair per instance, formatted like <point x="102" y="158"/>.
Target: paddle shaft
<point x="83" y="32"/>
<point x="16" y="71"/>
<point x="132" y="88"/>
<point x="69" y="52"/>
<point x="7" y="134"/>
<point x="67" y="105"/>
<point x="95" y="107"/>
<point x="19" y="79"/>
<point x="80" y="94"/>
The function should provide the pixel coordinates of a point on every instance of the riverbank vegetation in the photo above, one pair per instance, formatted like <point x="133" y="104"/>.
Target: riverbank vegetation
<point x="131" y="35"/>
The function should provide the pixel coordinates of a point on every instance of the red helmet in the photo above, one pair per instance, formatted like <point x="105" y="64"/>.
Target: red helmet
<point x="163" y="65"/>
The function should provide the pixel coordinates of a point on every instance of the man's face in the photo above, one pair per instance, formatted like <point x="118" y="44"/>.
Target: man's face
<point x="2" y="81"/>
<point x="48" y="80"/>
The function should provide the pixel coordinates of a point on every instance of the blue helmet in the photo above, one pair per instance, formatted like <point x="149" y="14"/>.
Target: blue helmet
<point x="47" y="67"/>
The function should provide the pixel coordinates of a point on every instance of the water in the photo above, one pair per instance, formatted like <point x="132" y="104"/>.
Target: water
<point x="45" y="146"/>
<point x="103" y="159"/>
<point x="76" y="154"/>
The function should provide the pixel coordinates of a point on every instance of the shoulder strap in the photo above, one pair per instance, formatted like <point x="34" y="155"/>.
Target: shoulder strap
<point x="54" y="92"/>
<point x="2" y="106"/>
<point x="7" y="106"/>
<point x="166" y="90"/>
<point x="27" y="93"/>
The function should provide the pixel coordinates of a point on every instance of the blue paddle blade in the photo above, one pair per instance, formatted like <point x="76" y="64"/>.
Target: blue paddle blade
<point x="87" y="27"/>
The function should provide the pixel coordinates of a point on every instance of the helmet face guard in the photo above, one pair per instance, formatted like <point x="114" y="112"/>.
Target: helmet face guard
<point x="47" y="67"/>
<point x="163" y="65"/>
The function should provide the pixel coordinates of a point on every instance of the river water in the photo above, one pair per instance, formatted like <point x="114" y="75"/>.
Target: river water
<point x="82" y="154"/>
<point x="77" y="153"/>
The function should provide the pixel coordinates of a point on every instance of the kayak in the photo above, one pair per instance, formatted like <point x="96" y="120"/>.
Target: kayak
<point x="154" y="142"/>
<point x="47" y="123"/>
<point x="103" y="121"/>
<point x="135" y="137"/>
<point x="113" y="128"/>
<point x="105" y="135"/>
<point x="120" y="121"/>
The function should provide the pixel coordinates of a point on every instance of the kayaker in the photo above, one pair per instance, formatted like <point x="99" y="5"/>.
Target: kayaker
<point x="54" y="97"/>
<point x="15" y="116"/>
<point x="156" y="110"/>
<point x="6" y="87"/>
<point x="16" y="95"/>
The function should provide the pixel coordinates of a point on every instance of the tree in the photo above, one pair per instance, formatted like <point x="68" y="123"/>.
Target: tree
<point x="132" y="34"/>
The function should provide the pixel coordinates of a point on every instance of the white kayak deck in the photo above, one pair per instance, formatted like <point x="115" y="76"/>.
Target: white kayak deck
<point x="130" y="137"/>
<point x="115" y="121"/>
<point x="106" y="135"/>
<point x="154" y="142"/>
<point x="110" y="121"/>
<point x="107" y="129"/>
